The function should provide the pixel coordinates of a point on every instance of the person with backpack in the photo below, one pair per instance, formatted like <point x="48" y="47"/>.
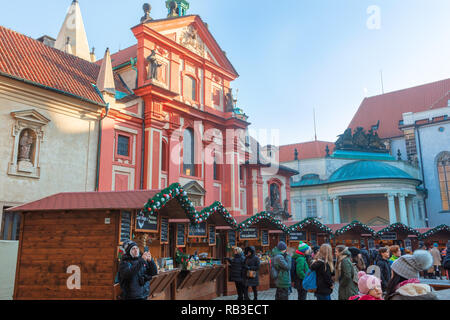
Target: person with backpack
<point x="135" y="272"/>
<point x="300" y="268"/>
<point x="322" y="265"/>
<point x="357" y="258"/>
<point x="237" y="271"/>
<point x="346" y="273"/>
<point x="282" y="265"/>
<point x="251" y="272"/>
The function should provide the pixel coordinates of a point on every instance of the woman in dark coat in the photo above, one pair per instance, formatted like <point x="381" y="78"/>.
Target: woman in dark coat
<point x="251" y="264"/>
<point x="323" y="266"/>
<point x="385" y="267"/>
<point x="237" y="271"/>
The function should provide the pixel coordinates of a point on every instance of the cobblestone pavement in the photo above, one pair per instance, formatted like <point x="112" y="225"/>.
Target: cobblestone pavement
<point x="270" y="295"/>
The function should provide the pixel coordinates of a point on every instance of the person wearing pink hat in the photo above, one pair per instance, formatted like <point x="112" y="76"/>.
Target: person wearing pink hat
<point x="369" y="287"/>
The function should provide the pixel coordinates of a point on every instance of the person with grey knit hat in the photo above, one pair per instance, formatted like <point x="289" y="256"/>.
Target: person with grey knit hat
<point x="405" y="283"/>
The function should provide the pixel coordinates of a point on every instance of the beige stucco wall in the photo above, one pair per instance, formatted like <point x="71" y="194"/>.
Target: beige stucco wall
<point x="8" y="261"/>
<point x="68" y="153"/>
<point x="364" y="210"/>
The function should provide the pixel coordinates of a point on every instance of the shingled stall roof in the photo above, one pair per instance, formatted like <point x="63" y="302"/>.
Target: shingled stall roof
<point x="75" y="201"/>
<point x="25" y="59"/>
<point x="389" y="107"/>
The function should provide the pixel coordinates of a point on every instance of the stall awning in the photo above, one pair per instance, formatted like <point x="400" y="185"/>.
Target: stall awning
<point x="441" y="228"/>
<point x="357" y="227"/>
<point x="399" y="227"/>
<point x="266" y="220"/>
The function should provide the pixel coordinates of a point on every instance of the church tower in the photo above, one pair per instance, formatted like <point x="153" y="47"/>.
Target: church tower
<point x="73" y="35"/>
<point x="177" y="8"/>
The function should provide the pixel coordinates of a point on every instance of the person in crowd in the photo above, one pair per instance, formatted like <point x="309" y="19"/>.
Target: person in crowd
<point x="446" y="262"/>
<point x="300" y="262"/>
<point x="437" y="259"/>
<point x="251" y="272"/>
<point x="385" y="267"/>
<point x="365" y="255"/>
<point x="408" y="250"/>
<point x="135" y="272"/>
<point x="324" y="268"/>
<point x="237" y="271"/>
<point x="282" y="263"/>
<point x="405" y="283"/>
<point x="357" y="258"/>
<point x="346" y="274"/>
<point x="369" y="288"/>
<point x="395" y="253"/>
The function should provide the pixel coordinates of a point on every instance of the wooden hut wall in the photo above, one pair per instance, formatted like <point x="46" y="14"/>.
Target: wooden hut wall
<point x="51" y="242"/>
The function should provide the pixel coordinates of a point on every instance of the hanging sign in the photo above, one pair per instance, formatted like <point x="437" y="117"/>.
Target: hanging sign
<point x="125" y="226"/>
<point x="180" y="235"/>
<point x="297" y="236"/>
<point x="264" y="238"/>
<point x="146" y="224"/>
<point x="212" y="235"/>
<point x="197" y="230"/>
<point x="231" y="238"/>
<point x="164" y="232"/>
<point x="249" y="234"/>
<point x="389" y="236"/>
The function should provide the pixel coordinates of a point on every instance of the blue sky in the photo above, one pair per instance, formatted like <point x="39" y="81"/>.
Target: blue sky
<point x="292" y="55"/>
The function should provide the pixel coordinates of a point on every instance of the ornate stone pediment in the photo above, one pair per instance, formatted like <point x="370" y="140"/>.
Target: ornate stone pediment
<point x="195" y="192"/>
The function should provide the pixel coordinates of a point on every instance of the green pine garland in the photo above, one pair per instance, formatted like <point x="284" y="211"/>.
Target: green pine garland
<point x="260" y="217"/>
<point x="352" y="225"/>
<point x="175" y="191"/>
<point x="429" y="233"/>
<point x="310" y="221"/>
<point x="399" y="227"/>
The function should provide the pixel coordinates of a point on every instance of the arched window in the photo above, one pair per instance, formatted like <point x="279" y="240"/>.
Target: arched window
<point x="188" y="153"/>
<point x="190" y="88"/>
<point x="216" y="167"/>
<point x="164" y="156"/>
<point x="443" y="166"/>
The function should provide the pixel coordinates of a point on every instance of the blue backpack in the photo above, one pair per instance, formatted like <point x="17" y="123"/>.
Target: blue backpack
<point x="310" y="281"/>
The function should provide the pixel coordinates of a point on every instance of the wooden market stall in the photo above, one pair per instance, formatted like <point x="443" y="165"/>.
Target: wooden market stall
<point x="439" y="235"/>
<point x="354" y="234"/>
<point x="76" y="237"/>
<point x="398" y="234"/>
<point x="309" y="230"/>
<point x="263" y="232"/>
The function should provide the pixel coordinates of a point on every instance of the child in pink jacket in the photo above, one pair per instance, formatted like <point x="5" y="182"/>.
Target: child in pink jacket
<point x="369" y="288"/>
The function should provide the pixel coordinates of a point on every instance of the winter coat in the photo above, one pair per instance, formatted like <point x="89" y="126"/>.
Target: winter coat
<point x="392" y="259"/>
<point x="385" y="271"/>
<point x="365" y="256"/>
<point x="282" y="262"/>
<point x="135" y="275"/>
<point x="301" y="264"/>
<point x="237" y="268"/>
<point x="413" y="290"/>
<point x="364" y="297"/>
<point x="323" y="277"/>
<point x="347" y="287"/>
<point x="446" y="263"/>
<point x="251" y="263"/>
<point x="436" y="256"/>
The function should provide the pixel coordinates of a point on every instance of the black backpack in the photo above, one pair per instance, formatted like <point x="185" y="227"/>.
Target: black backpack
<point x="294" y="270"/>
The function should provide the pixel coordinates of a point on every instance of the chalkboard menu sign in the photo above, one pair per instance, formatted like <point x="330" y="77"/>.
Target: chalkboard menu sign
<point x="125" y="226"/>
<point x="164" y="235"/>
<point x="389" y="236"/>
<point x="146" y="224"/>
<point x="264" y="238"/>
<point x="297" y="236"/>
<point x="180" y="235"/>
<point x="249" y="234"/>
<point x="197" y="230"/>
<point x="231" y="238"/>
<point x="212" y="235"/>
<point x="283" y="237"/>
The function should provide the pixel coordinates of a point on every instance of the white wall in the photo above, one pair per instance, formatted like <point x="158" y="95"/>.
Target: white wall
<point x="8" y="261"/>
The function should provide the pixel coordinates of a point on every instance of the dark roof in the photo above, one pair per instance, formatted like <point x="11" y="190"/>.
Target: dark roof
<point x="90" y="201"/>
<point x="29" y="60"/>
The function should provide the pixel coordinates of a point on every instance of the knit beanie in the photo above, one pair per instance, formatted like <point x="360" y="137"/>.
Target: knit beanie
<point x="409" y="266"/>
<point x="303" y="247"/>
<point x="127" y="245"/>
<point x="367" y="282"/>
<point x="281" y="246"/>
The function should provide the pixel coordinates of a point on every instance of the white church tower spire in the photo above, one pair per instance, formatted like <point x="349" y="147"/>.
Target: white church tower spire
<point x="73" y="29"/>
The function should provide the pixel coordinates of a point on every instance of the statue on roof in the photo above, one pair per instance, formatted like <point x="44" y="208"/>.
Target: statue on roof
<point x="345" y="140"/>
<point x="360" y="139"/>
<point x="147" y="8"/>
<point x="375" y="142"/>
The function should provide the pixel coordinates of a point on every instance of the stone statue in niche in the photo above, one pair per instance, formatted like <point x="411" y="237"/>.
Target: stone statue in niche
<point x="275" y="197"/>
<point x="229" y="101"/>
<point x="154" y="65"/>
<point x="25" y="144"/>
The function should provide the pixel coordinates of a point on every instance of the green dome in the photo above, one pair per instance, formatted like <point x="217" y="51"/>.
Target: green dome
<point x="366" y="170"/>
